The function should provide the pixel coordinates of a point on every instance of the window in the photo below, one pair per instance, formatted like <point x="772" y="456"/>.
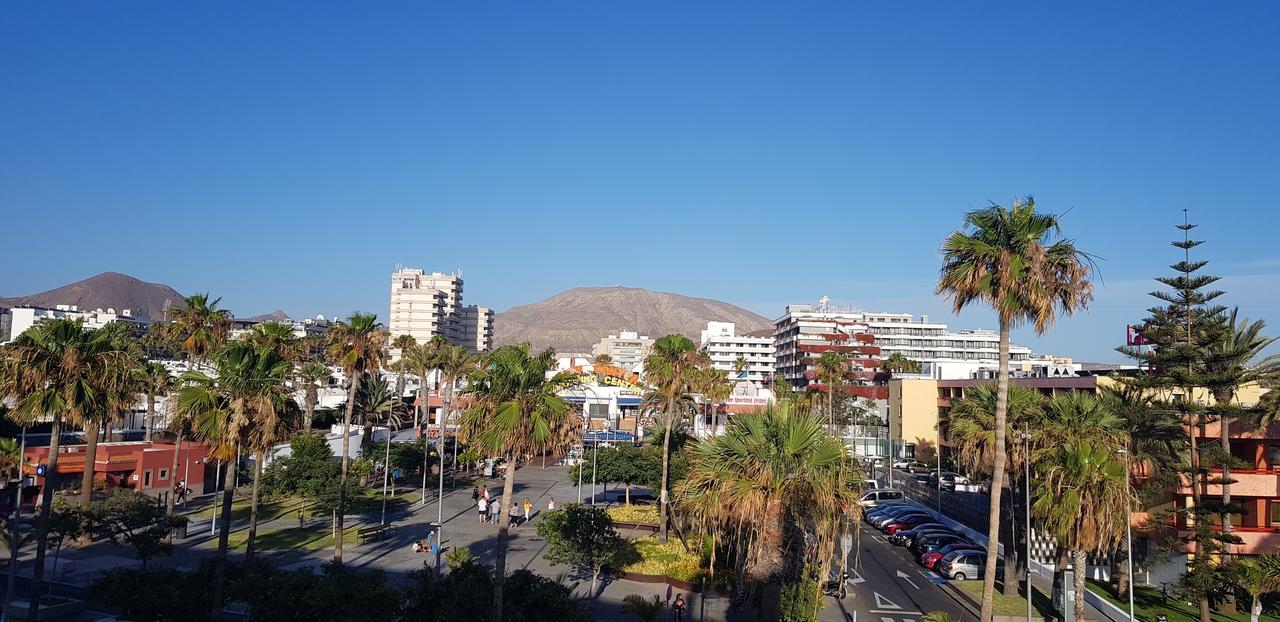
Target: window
<point x="164" y="474"/>
<point x="1273" y="514"/>
<point x="1273" y="457"/>
<point x="146" y="479"/>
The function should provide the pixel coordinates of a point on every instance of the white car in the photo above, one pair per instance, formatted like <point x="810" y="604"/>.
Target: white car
<point x="902" y="464"/>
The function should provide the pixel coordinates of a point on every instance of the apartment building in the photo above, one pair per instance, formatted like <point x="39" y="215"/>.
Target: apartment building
<point x="424" y="305"/>
<point x="729" y="350"/>
<point x="17" y="320"/>
<point x="627" y="349"/>
<point x="804" y="333"/>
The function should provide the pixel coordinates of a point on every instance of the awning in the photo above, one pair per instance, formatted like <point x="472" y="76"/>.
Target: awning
<point x="630" y="401"/>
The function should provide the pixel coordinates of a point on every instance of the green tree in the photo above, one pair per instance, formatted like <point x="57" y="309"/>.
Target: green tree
<point x="778" y="473"/>
<point x="1084" y="501"/>
<point x="583" y="536"/>
<point x="517" y="412"/>
<point x="131" y="518"/>
<point x="1013" y="260"/>
<point x="336" y="593"/>
<point x="238" y="407"/>
<point x="160" y="595"/>
<point x="628" y="465"/>
<point x="646" y="609"/>
<point x="1258" y="575"/>
<point x="898" y="362"/>
<point x="277" y="337"/>
<point x="465" y="593"/>
<point x="156" y="382"/>
<point x="1179" y="336"/>
<point x="671" y="369"/>
<point x="310" y="374"/>
<point x="454" y="362"/>
<point x="54" y="370"/>
<point x="356" y="345"/>
<point x="831" y="371"/>
<point x="199" y="327"/>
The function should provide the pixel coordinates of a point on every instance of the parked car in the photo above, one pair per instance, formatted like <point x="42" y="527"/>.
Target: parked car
<point x="919" y="467"/>
<point x="933" y="542"/>
<point x="930" y="559"/>
<point x="876" y="514"/>
<point x="963" y="565"/>
<point x="881" y="495"/>
<point x="948" y="481"/>
<point x="883" y="523"/>
<point x="910" y="522"/>
<point x="902" y="464"/>
<point x="904" y="536"/>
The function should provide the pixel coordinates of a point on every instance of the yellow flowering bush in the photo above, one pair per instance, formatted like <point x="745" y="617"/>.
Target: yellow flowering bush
<point x="635" y="514"/>
<point x="671" y="559"/>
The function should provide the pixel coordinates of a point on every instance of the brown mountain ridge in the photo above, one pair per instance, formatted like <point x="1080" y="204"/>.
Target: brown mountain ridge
<point x="573" y="320"/>
<point x="107" y="290"/>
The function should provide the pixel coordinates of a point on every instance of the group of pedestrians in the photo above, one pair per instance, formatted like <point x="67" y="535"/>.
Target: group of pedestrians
<point x="488" y="508"/>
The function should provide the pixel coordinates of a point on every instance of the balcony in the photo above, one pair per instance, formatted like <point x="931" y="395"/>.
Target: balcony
<point x="1247" y="484"/>
<point x="1257" y="540"/>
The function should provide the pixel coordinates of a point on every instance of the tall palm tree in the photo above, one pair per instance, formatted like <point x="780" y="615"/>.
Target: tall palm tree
<point x="199" y="327"/>
<point x="778" y="473"/>
<point x="356" y="345"/>
<point x="600" y="360"/>
<point x="54" y="370"/>
<point x="740" y="365"/>
<point x="120" y="388"/>
<point x="1084" y="501"/>
<point x="233" y="409"/>
<point x="156" y="382"/>
<point x="831" y="370"/>
<point x="670" y="368"/>
<point x="454" y="362"/>
<point x="1235" y="360"/>
<point x="716" y="388"/>
<point x="270" y="427"/>
<point x="1014" y="260"/>
<point x="517" y="412"/>
<point x="374" y="398"/>
<point x="422" y="361"/>
<point x="310" y="374"/>
<point x="898" y="362"/>
<point x="401" y="344"/>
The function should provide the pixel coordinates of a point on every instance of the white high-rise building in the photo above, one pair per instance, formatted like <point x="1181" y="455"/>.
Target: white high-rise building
<point x="15" y="321"/>
<point x="425" y="305"/>
<point x="725" y="347"/>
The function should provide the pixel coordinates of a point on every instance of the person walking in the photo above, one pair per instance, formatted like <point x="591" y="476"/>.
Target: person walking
<point x="475" y="493"/>
<point x="495" y="506"/>
<point x="513" y="516"/>
<point x="528" y="507"/>
<point x="302" y="518"/>
<point x="678" y="607"/>
<point x="551" y="505"/>
<point x="483" y="506"/>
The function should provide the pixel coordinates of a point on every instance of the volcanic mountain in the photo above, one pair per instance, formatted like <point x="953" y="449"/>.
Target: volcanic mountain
<point x="574" y="320"/>
<point x="107" y="290"/>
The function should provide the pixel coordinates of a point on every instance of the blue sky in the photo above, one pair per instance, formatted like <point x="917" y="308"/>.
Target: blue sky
<point x="290" y="155"/>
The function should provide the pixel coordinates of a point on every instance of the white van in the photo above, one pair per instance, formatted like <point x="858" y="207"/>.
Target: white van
<point x="884" y="495"/>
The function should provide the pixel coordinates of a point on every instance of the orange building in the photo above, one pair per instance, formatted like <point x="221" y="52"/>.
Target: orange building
<point x="138" y="465"/>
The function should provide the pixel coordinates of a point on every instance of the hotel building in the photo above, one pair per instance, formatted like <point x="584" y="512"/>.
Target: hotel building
<point x="724" y="346"/>
<point x="425" y="305"/>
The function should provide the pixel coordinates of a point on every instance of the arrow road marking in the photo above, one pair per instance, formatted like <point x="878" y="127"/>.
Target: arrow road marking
<point x="906" y="577"/>
<point x="885" y="603"/>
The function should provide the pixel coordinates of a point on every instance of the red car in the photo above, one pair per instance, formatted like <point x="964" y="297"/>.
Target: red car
<point x="930" y="560"/>
<point x="909" y="523"/>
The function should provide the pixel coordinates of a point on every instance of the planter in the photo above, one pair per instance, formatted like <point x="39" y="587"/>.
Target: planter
<point x="677" y="584"/>
<point x="637" y="526"/>
<point x="51" y="608"/>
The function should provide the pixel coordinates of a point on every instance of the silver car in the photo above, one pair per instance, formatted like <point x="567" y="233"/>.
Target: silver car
<point x="963" y="565"/>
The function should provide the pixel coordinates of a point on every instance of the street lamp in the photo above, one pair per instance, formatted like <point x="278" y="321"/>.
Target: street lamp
<point x="1128" y="529"/>
<point x="17" y="516"/>
<point x="1026" y="510"/>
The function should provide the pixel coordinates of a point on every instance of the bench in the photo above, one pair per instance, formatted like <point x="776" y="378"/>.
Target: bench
<point x="374" y="533"/>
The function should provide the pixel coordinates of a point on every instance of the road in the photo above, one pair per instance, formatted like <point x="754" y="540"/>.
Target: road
<point x="886" y="585"/>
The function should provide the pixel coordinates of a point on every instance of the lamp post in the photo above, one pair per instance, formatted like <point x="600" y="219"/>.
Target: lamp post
<point x="1128" y="529"/>
<point x="1026" y="510"/>
<point x="13" y="535"/>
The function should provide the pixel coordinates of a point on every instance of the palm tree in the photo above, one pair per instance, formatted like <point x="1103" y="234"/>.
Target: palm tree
<point x="600" y="360"/>
<point x="517" y="412"/>
<point x="1236" y="360"/>
<point x="740" y="365"/>
<point x="401" y="343"/>
<point x="716" y="388"/>
<point x="237" y="407"/>
<point x="898" y="362"/>
<point x="422" y="360"/>
<point x="199" y="327"/>
<point x="1258" y="575"/>
<point x="774" y="472"/>
<point x="670" y="368"/>
<point x="645" y="609"/>
<point x="1009" y="259"/>
<point x="120" y="388"/>
<point x="356" y="345"/>
<point x="156" y="382"/>
<point x="374" y="399"/>
<point x="454" y="363"/>
<point x="831" y="370"/>
<point x="270" y="426"/>
<point x="277" y="337"/>
<point x="1084" y="501"/>
<point x="310" y="374"/>
<point x="55" y="369"/>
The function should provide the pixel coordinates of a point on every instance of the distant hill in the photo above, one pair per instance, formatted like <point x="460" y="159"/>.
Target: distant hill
<point x="107" y="290"/>
<point x="574" y="320"/>
<point x="274" y="316"/>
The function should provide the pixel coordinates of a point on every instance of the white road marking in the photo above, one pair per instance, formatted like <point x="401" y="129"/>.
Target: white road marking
<point x="903" y="613"/>
<point x="906" y="577"/>
<point x="855" y="578"/>
<point x="885" y="603"/>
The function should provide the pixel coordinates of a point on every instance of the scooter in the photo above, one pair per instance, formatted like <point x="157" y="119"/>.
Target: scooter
<point x="837" y="587"/>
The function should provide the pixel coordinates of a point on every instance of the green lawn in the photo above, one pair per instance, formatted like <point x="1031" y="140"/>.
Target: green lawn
<point x="311" y="537"/>
<point x="267" y="510"/>
<point x="1148" y="602"/>
<point x="1009" y="605"/>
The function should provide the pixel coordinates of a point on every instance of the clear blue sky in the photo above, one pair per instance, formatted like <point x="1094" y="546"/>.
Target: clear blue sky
<point x="289" y="155"/>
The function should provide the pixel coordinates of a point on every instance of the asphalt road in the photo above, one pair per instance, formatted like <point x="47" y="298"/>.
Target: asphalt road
<point x="886" y="585"/>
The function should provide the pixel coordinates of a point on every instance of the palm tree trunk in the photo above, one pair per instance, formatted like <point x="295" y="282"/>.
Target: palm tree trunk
<point x="770" y="565"/>
<point x="628" y="492"/>
<point x="173" y="477"/>
<point x="224" y="534"/>
<point x="500" y="550"/>
<point x="1228" y="604"/>
<point x="1080" y="562"/>
<point x="249" y="548"/>
<point x="91" y="430"/>
<point x="666" y="467"/>
<point x="346" y="459"/>
<point x="46" y="508"/>
<point x="997" y="476"/>
<point x="151" y="415"/>
<point x="1256" y="611"/>
<point x="1206" y="615"/>
<point x="310" y="399"/>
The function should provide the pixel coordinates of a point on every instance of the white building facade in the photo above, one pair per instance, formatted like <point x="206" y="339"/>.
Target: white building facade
<point x="725" y="348"/>
<point x="425" y="305"/>
<point x="627" y="349"/>
<point x="15" y="321"/>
